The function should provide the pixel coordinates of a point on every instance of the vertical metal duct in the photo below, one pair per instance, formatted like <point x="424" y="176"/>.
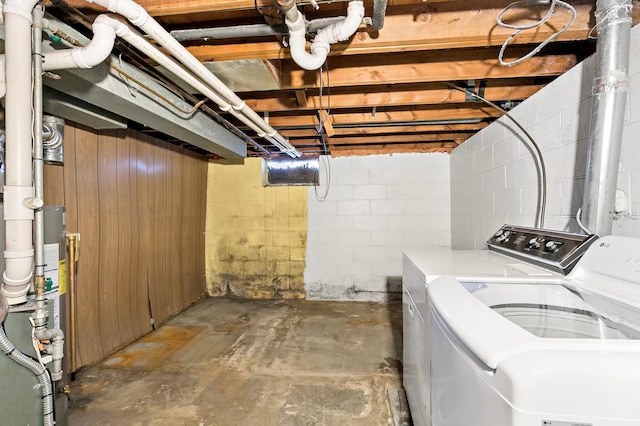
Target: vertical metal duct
<point x="379" y="10"/>
<point x="610" y="86"/>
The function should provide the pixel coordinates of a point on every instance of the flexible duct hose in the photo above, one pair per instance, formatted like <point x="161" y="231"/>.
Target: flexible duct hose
<point x="36" y="368"/>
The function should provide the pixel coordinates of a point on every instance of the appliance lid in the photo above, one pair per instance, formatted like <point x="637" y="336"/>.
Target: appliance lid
<point x="554" y="318"/>
<point x="558" y="310"/>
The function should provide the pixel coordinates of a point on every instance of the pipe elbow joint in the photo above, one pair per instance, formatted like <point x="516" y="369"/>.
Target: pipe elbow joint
<point x="127" y="8"/>
<point x="20" y="7"/>
<point x="120" y="28"/>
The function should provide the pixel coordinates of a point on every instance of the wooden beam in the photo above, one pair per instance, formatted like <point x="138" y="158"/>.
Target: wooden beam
<point x="423" y="68"/>
<point x="389" y="139"/>
<point x="301" y="99"/>
<point x="443" y="113"/>
<point x="390" y="97"/>
<point x="182" y="7"/>
<point x="337" y="151"/>
<point x="388" y="130"/>
<point x="326" y="123"/>
<point x="425" y="26"/>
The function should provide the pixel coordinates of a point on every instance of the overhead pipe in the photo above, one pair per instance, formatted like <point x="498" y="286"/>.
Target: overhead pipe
<point x="610" y="87"/>
<point x="244" y="31"/>
<point x="155" y="54"/>
<point x="218" y="33"/>
<point x="327" y="36"/>
<point x="139" y="17"/>
<point x="379" y="11"/>
<point x="87" y="56"/>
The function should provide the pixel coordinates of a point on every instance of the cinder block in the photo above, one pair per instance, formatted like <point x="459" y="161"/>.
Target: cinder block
<point x="348" y="208"/>
<point x="436" y="222"/>
<point x="369" y="223"/>
<point x="407" y="191"/>
<point x="403" y="223"/>
<point x="352" y="176"/>
<point x="355" y="238"/>
<point x="369" y="192"/>
<point x="575" y="121"/>
<point x="387" y="176"/>
<point x="386" y="238"/>
<point x="254" y="267"/>
<point x="297" y="253"/>
<point x="483" y="160"/>
<point x="387" y="207"/>
<point x="337" y="223"/>
<point x="494" y="179"/>
<point x="325" y="208"/>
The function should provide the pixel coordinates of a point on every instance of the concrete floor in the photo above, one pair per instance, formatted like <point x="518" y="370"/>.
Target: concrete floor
<point x="239" y="362"/>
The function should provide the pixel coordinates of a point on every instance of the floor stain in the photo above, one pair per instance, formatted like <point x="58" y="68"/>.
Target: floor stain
<point x="150" y="351"/>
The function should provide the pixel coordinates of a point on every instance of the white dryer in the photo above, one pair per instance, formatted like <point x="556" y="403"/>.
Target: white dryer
<point x="552" y="351"/>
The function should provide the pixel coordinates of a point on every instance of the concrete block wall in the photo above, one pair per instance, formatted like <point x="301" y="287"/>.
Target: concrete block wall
<point x="255" y="236"/>
<point x="493" y="177"/>
<point x="377" y="206"/>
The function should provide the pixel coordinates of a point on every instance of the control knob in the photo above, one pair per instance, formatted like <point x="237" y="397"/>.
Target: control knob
<point x="551" y="246"/>
<point x="503" y="237"/>
<point x="533" y="243"/>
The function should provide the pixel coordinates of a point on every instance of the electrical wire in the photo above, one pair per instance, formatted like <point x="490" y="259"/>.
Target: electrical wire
<point x="542" y="199"/>
<point x="520" y="28"/>
<point x="325" y="159"/>
<point x="580" y="224"/>
<point x="326" y="162"/>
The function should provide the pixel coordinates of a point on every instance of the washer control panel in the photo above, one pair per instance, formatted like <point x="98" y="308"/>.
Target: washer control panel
<point x="554" y="250"/>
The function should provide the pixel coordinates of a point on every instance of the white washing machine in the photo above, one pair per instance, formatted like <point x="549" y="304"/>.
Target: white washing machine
<point x="422" y="267"/>
<point x="552" y="351"/>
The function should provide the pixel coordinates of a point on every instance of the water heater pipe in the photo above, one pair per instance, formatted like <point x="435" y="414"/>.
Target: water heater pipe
<point x="72" y="240"/>
<point x="609" y="95"/>
<point x="327" y="36"/>
<point x="139" y="17"/>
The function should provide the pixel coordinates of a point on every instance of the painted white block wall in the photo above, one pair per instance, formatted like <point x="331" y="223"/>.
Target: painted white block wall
<point x="493" y="177"/>
<point x="377" y="206"/>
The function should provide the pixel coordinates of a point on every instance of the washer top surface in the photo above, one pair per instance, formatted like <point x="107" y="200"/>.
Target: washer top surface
<point x="469" y="264"/>
<point x="596" y="308"/>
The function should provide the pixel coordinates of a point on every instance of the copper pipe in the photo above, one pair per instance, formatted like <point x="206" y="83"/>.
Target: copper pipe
<point x="72" y="241"/>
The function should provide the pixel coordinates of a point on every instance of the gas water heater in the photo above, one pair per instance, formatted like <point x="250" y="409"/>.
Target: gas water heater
<point x="20" y="393"/>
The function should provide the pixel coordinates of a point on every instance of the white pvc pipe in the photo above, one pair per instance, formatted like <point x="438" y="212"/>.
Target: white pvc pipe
<point x="139" y="17"/>
<point x="334" y="33"/>
<point x="18" y="162"/>
<point x="88" y="56"/>
<point x="154" y="53"/>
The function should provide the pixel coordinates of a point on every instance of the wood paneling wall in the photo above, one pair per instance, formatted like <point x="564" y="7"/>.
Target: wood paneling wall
<point x="139" y="205"/>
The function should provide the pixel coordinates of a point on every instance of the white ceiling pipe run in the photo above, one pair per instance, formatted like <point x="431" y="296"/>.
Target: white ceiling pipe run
<point x="19" y="199"/>
<point x="327" y="36"/>
<point x="154" y="53"/>
<point x="89" y="56"/>
<point x="140" y="18"/>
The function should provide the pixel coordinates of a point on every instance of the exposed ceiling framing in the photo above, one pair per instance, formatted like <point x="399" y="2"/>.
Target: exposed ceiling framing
<point x="385" y="91"/>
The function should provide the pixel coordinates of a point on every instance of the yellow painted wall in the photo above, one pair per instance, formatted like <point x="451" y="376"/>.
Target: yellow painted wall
<point x="256" y="236"/>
